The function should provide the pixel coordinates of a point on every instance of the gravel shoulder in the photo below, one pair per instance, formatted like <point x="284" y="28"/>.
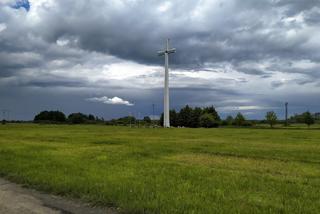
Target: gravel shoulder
<point x="14" y="199"/>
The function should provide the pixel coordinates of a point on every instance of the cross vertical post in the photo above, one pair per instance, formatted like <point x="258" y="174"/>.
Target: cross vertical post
<point x="166" y="106"/>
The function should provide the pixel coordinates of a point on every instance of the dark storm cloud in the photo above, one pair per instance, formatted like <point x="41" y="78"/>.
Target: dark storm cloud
<point x="293" y="7"/>
<point x="252" y="71"/>
<point x="61" y="44"/>
<point x="303" y="81"/>
<point x="313" y="16"/>
<point x="11" y="63"/>
<point x="135" y="30"/>
<point x="277" y="84"/>
<point x="54" y="83"/>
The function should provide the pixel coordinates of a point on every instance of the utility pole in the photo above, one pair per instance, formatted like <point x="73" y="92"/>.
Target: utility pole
<point x="138" y="119"/>
<point x="286" y="104"/>
<point x="4" y="112"/>
<point x="153" y="115"/>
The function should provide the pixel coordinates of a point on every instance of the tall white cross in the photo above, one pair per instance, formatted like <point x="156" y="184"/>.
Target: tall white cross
<point x="166" y="108"/>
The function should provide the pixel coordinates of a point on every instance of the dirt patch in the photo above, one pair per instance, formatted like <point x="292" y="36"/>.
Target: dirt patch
<point x="15" y="199"/>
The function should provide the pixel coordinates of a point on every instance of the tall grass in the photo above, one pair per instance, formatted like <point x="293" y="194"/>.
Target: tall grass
<point x="168" y="170"/>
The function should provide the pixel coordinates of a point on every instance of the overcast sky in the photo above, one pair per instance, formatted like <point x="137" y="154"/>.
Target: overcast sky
<point x="100" y="56"/>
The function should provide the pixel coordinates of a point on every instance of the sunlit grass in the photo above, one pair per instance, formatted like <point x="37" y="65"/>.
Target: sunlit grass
<point x="168" y="170"/>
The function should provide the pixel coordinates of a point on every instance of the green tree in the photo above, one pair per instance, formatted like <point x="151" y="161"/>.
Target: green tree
<point x="185" y="116"/>
<point x="308" y="118"/>
<point x="147" y="120"/>
<point x="77" y="118"/>
<point x="239" y="120"/>
<point x="161" y="120"/>
<point x="126" y="120"/>
<point x="50" y="116"/>
<point x="173" y="118"/>
<point x="297" y="118"/>
<point x="92" y="118"/>
<point x="208" y="121"/>
<point x="195" y="117"/>
<point x="229" y="120"/>
<point x="211" y="110"/>
<point x="190" y="117"/>
<point x="271" y="118"/>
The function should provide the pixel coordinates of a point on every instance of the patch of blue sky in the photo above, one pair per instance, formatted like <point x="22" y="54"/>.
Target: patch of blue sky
<point x="21" y="4"/>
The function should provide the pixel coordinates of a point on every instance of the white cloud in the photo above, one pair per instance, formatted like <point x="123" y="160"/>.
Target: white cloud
<point x="243" y="108"/>
<point x="3" y="27"/>
<point x="112" y="101"/>
<point x="5" y="1"/>
<point x="62" y="42"/>
<point x="165" y="6"/>
<point x="128" y="69"/>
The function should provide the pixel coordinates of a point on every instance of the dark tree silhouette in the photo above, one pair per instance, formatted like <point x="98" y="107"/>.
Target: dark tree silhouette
<point x="229" y="120"/>
<point x="271" y="118"/>
<point x="50" y="116"/>
<point x="308" y="118"/>
<point x="208" y="121"/>
<point x="185" y="117"/>
<point x="191" y="117"/>
<point x="239" y="120"/>
<point x="147" y="119"/>
<point x="77" y="118"/>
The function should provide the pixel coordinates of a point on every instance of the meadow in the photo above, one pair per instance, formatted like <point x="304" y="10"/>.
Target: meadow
<point x="145" y="170"/>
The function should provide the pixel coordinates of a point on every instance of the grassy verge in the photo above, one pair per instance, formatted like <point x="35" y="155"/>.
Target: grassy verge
<point x="168" y="170"/>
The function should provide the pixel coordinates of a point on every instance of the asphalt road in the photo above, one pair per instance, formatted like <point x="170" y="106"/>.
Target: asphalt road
<point x="15" y="199"/>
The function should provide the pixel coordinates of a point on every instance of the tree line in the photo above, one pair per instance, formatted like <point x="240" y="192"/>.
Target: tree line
<point x="271" y="118"/>
<point x="60" y="117"/>
<point x="188" y="116"/>
<point x="196" y="117"/>
<point x="131" y="121"/>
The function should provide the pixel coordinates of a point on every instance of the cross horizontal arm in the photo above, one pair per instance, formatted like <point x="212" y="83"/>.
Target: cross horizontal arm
<point x="170" y="51"/>
<point x="173" y="50"/>
<point x="161" y="53"/>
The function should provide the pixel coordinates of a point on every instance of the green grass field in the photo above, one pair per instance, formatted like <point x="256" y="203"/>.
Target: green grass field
<point x="168" y="170"/>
